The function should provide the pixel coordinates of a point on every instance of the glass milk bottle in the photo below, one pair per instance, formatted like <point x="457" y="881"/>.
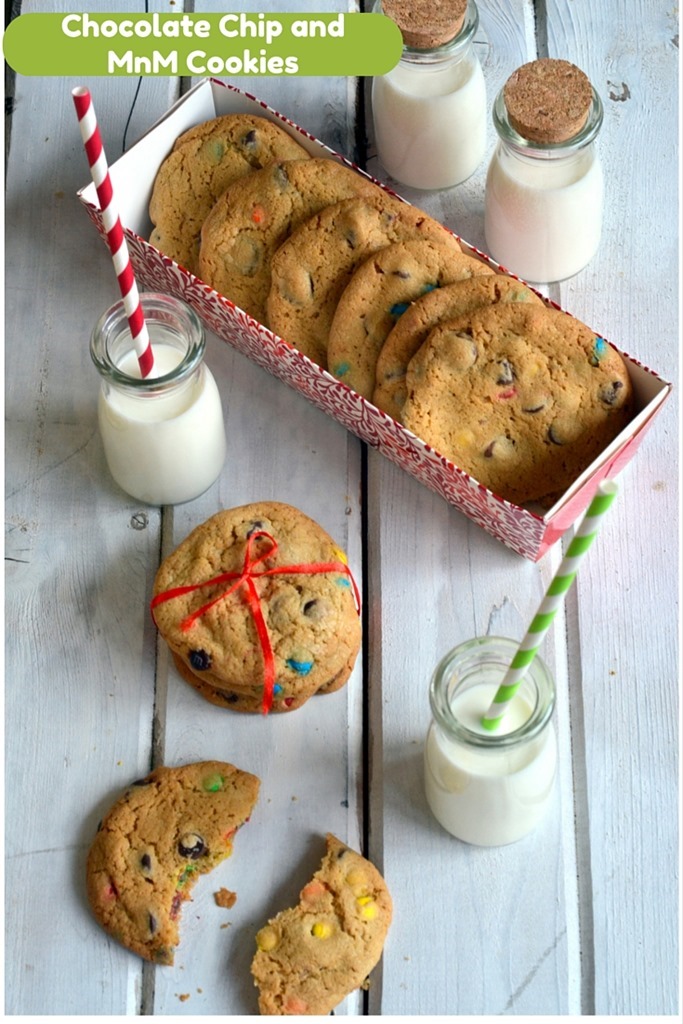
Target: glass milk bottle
<point x="544" y="188"/>
<point x="163" y="436"/>
<point x="489" y="788"/>
<point x="429" y="112"/>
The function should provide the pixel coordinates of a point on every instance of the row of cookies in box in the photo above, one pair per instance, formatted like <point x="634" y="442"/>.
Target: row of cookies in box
<point x="244" y="206"/>
<point x="520" y="396"/>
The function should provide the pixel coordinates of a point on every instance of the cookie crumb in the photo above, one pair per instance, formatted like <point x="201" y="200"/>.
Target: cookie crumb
<point x="183" y="996"/>
<point x="225" y="898"/>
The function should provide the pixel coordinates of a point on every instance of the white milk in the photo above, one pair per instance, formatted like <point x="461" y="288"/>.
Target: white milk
<point x="163" y="448"/>
<point x="543" y="217"/>
<point x="430" y="122"/>
<point x="493" y="796"/>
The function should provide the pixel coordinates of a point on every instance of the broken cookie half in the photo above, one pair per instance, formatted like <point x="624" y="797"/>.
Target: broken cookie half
<point x="311" y="956"/>
<point x="158" y="838"/>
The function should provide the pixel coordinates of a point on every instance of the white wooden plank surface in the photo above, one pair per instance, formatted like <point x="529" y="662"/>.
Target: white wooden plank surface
<point x="458" y="583"/>
<point x="579" y="918"/>
<point x="80" y="654"/>
<point x="537" y="940"/>
<point x="310" y="764"/>
<point x="626" y="659"/>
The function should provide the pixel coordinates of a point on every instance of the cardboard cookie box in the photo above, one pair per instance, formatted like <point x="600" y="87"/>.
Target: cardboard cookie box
<point x="527" y="532"/>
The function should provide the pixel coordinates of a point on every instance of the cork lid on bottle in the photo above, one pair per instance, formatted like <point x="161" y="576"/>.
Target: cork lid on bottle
<point x="548" y="100"/>
<point x="425" y="24"/>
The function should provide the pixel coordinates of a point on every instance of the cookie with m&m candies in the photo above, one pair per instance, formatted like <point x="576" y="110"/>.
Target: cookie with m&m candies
<point x="154" y="843"/>
<point x="204" y="161"/>
<point x="259" y="608"/>
<point x="313" y="266"/>
<point x="414" y="326"/>
<point x="255" y="215"/>
<point x="521" y="397"/>
<point x="379" y="292"/>
<point x="309" y="957"/>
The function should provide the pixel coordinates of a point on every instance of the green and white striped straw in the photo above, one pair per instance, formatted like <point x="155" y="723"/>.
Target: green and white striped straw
<point x="562" y="581"/>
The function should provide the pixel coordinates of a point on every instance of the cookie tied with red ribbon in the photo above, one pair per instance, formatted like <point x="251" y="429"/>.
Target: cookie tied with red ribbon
<point x="259" y="608"/>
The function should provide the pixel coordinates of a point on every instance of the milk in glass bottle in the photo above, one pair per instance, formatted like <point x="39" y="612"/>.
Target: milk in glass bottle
<point x="429" y="112"/>
<point x="544" y="187"/>
<point x="163" y="435"/>
<point x="489" y="788"/>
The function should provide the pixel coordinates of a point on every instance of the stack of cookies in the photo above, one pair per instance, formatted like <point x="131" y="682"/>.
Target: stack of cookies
<point x="259" y="609"/>
<point x="516" y="394"/>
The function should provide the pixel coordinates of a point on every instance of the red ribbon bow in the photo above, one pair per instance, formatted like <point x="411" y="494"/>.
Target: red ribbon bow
<point x="245" y="579"/>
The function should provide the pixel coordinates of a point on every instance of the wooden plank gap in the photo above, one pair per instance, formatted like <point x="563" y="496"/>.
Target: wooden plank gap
<point x="372" y="711"/>
<point x="162" y="654"/>
<point x="584" y="894"/>
<point x="186" y="83"/>
<point x="12" y="11"/>
<point x="358" y="103"/>
<point x="147" y="990"/>
<point x="158" y="740"/>
<point x="541" y="19"/>
<point x="570" y="870"/>
<point x="368" y="627"/>
<point x="367" y="670"/>
<point x="373" y="717"/>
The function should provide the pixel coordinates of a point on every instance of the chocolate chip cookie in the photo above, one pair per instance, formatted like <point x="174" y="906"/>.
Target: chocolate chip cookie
<point x="521" y="397"/>
<point x="150" y="849"/>
<point x="260" y="609"/>
<point x="313" y="266"/>
<point x="203" y="162"/>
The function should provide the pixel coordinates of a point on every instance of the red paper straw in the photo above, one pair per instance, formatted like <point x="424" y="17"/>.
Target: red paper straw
<point x="90" y="133"/>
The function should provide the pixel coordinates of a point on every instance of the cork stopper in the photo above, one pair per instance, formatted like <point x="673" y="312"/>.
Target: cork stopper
<point x="548" y="100"/>
<point x="425" y="24"/>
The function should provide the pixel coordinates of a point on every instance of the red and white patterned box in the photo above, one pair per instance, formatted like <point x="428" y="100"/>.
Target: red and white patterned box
<point x="528" y="533"/>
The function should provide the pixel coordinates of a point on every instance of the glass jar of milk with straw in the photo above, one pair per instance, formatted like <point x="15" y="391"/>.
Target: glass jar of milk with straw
<point x="543" y="203"/>
<point x="429" y="112"/>
<point x="163" y="434"/>
<point x="491" y="754"/>
<point x="489" y="787"/>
